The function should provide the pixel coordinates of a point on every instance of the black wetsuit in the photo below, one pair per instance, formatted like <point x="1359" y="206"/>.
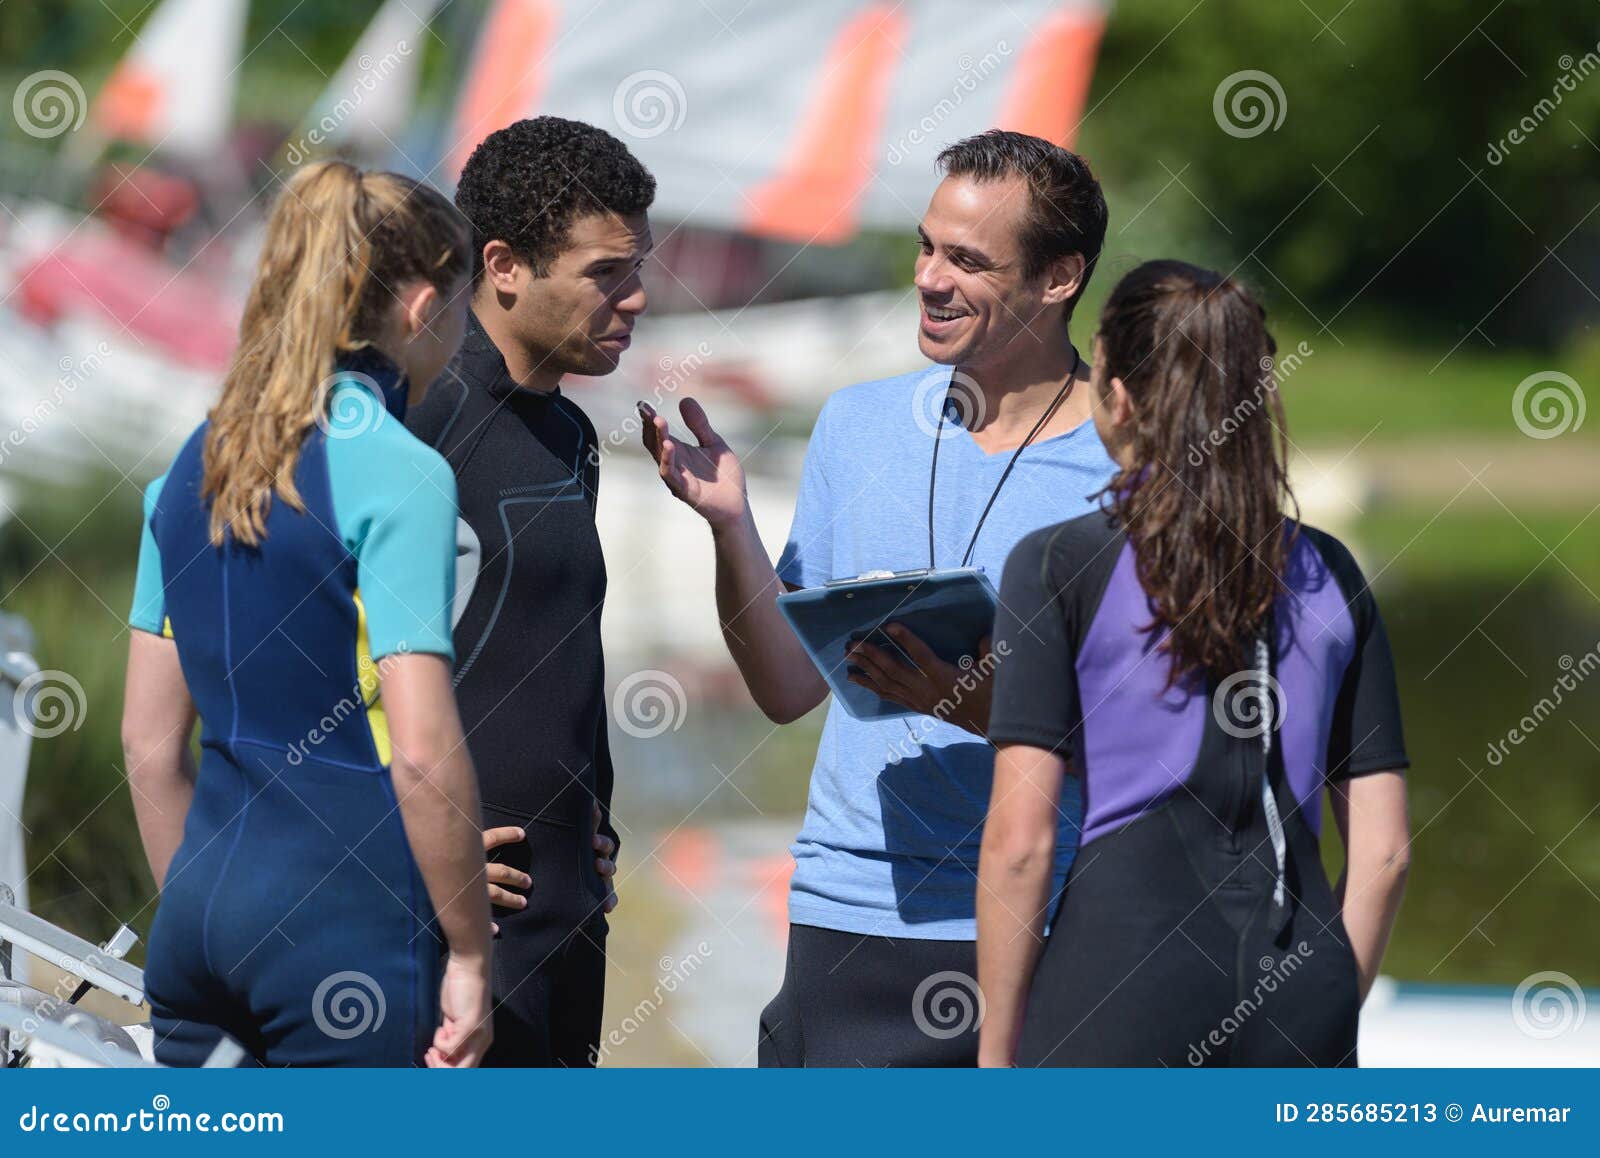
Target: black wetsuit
<point x="531" y="687"/>
<point x="1197" y="926"/>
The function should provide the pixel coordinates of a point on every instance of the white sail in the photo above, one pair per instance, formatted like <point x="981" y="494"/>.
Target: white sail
<point x="174" y="88"/>
<point x="368" y="103"/>
<point x="801" y="121"/>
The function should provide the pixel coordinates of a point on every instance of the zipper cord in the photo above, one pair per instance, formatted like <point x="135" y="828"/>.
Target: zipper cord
<point x="1269" y="801"/>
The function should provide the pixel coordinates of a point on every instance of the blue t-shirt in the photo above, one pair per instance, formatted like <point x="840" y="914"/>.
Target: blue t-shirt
<point x="895" y="817"/>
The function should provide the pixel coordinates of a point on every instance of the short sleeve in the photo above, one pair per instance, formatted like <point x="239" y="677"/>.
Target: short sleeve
<point x="394" y="499"/>
<point x="1035" y="677"/>
<point x="807" y="559"/>
<point x="1366" y="735"/>
<point x="149" y="611"/>
<point x="406" y="569"/>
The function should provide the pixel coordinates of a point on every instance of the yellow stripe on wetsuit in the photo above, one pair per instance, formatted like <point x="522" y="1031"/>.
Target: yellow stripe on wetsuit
<point x="367" y="675"/>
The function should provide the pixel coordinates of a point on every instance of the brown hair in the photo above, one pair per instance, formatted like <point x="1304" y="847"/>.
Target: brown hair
<point x="1066" y="209"/>
<point x="339" y="242"/>
<point x="1204" y="496"/>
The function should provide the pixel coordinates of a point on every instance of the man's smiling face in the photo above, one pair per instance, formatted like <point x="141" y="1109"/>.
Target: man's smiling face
<point x="970" y="272"/>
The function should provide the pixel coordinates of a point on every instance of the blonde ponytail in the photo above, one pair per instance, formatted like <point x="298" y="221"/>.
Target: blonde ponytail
<point x="338" y="241"/>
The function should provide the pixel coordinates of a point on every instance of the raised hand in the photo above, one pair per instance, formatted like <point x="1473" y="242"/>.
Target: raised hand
<point x="707" y="476"/>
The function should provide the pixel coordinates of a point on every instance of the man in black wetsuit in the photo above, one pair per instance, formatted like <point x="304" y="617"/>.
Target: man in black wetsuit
<point x="558" y="211"/>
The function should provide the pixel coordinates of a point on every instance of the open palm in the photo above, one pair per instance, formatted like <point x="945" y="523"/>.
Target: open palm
<point x="705" y="474"/>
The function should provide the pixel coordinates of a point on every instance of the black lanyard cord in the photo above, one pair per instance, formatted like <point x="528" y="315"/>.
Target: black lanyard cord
<point x="933" y="471"/>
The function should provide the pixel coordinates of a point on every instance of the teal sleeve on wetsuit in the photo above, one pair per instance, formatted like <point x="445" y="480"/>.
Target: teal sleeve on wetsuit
<point x="394" y="498"/>
<point x="149" y="612"/>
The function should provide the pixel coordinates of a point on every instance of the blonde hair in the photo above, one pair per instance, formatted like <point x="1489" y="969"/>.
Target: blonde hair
<point x="339" y="243"/>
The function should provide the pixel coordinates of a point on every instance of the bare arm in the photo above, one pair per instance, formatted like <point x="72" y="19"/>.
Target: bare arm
<point x="1370" y="812"/>
<point x="780" y="675"/>
<point x="158" y="716"/>
<point x="709" y="478"/>
<point x="437" y="791"/>
<point x="1015" y="868"/>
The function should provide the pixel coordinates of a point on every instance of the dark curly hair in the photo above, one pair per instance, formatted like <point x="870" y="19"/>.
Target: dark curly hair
<point x="1066" y="209"/>
<point x="526" y="183"/>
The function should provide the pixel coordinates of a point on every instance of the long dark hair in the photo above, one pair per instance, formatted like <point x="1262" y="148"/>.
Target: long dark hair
<point x="1205" y="498"/>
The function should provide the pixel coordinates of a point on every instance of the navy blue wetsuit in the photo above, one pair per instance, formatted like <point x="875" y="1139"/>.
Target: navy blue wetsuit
<point x="1182" y="938"/>
<point x="293" y="915"/>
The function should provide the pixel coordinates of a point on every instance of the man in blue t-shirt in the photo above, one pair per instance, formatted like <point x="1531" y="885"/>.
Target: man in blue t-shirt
<point x="881" y="964"/>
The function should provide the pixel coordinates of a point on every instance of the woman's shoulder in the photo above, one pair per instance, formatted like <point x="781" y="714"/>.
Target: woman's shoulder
<point x="385" y="469"/>
<point x="188" y="463"/>
<point x="1062" y="554"/>
<point x="1074" y="538"/>
<point x="1318" y="555"/>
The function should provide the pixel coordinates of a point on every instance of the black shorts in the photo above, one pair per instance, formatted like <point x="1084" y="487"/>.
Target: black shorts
<point x="854" y="1000"/>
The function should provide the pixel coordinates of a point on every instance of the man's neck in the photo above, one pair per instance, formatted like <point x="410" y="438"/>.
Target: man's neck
<point x="1019" y="390"/>
<point x="525" y="366"/>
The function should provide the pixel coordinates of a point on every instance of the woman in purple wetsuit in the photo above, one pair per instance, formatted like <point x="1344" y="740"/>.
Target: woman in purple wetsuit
<point x="1206" y="665"/>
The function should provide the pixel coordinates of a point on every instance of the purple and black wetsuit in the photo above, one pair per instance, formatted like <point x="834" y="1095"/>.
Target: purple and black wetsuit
<point x="1197" y="926"/>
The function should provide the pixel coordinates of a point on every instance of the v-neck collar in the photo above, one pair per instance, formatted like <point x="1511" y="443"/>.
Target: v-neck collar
<point x="964" y="438"/>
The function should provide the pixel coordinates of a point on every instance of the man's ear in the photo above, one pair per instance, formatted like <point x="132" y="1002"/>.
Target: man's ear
<point x="1065" y="276"/>
<point x="502" y="268"/>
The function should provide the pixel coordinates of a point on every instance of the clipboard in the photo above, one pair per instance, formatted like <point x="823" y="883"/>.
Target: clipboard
<point x="950" y="609"/>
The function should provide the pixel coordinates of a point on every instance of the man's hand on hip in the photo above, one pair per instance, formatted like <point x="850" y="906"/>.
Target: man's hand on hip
<point x="605" y="850"/>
